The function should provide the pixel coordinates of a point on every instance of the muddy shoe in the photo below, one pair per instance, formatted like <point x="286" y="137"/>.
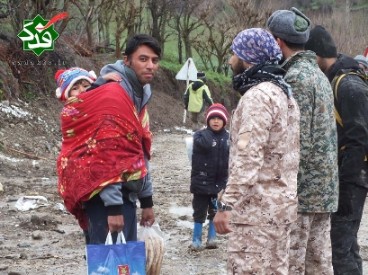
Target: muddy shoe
<point x="196" y="247"/>
<point x="211" y="244"/>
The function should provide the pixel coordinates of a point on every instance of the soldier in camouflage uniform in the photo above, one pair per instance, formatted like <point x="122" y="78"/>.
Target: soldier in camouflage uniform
<point x="264" y="159"/>
<point x="310" y="251"/>
<point x="351" y="105"/>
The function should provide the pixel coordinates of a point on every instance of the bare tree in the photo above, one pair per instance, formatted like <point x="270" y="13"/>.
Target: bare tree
<point x="245" y="14"/>
<point x="218" y="41"/>
<point x="188" y="18"/>
<point x="347" y="12"/>
<point x="88" y="9"/>
<point x="19" y="10"/>
<point x="128" y="20"/>
<point x="178" y="12"/>
<point x="222" y="23"/>
<point x="349" y="38"/>
<point x="160" y="14"/>
<point x="105" y="18"/>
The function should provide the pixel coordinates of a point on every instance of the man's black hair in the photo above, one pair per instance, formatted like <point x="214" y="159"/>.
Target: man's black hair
<point x="292" y="46"/>
<point x="139" y="40"/>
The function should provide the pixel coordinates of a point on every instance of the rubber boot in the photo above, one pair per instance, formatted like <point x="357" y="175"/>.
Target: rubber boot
<point x="211" y="237"/>
<point x="197" y="237"/>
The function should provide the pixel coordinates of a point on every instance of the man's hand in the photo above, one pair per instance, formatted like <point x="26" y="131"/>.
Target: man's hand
<point x="222" y="222"/>
<point x="116" y="223"/>
<point x="112" y="77"/>
<point x="148" y="217"/>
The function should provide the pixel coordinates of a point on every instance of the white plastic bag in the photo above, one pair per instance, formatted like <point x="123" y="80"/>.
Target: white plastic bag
<point x="189" y="146"/>
<point x="26" y="203"/>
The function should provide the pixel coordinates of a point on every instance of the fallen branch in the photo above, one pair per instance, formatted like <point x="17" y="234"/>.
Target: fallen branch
<point x="48" y="256"/>
<point x="27" y="154"/>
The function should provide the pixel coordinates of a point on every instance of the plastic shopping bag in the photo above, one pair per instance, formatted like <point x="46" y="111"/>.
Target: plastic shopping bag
<point x="155" y="247"/>
<point x="189" y="146"/>
<point x="122" y="258"/>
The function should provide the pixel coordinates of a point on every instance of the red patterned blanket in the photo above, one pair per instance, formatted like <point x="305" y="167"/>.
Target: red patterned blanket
<point x="104" y="141"/>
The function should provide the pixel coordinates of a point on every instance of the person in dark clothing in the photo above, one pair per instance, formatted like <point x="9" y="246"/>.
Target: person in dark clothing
<point x="209" y="172"/>
<point x="351" y="105"/>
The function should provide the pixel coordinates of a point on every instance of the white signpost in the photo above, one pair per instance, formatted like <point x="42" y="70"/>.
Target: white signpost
<point x="187" y="72"/>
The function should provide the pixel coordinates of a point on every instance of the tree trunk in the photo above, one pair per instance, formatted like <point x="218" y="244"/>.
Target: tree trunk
<point x="188" y="48"/>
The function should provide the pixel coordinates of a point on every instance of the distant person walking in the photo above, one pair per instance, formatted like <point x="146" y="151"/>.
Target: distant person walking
<point x="195" y="97"/>
<point x="351" y="112"/>
<point x="310" y="249"/>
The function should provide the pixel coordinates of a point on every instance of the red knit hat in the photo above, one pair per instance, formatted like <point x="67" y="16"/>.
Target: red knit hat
<point x="217" y="110"/>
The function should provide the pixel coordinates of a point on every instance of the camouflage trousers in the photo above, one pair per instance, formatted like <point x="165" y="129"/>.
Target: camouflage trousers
<point x="310" y="247"/>
<point x="258" y="250"/>
<point x="344" y="234"/>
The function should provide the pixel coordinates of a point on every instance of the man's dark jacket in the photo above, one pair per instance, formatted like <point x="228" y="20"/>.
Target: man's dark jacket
<point x="352" y="106"/>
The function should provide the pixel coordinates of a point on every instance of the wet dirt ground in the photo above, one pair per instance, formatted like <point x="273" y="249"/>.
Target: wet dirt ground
<point x="47" y="240"/>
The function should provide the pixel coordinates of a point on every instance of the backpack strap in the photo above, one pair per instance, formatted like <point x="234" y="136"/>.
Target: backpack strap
<point x="335" y="84"/>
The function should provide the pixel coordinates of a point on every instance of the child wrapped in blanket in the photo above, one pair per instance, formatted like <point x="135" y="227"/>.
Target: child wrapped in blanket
<point x="75" y="80"/>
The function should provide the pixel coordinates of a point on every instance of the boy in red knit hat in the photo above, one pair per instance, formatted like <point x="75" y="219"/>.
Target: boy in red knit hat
<point x="209" y="172"/>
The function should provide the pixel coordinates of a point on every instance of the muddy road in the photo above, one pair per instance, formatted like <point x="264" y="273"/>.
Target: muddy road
<point x="47" y="240"/>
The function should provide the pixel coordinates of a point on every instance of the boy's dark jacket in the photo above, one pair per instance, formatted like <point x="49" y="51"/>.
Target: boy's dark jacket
<point x="210" y="161"/>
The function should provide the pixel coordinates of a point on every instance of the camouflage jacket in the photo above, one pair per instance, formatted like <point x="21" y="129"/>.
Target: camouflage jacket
<point x="264" y="158"/>
<point x="318" y="170"/>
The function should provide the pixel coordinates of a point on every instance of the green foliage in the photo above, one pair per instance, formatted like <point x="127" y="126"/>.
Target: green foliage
<point x="6" y="27"/>
<point x="317" y="4"/>
<point x="219" y="79"/>
<point x="171" y="66"/>
<point x="29" y="95"/>
<point x="360" y="6"/>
